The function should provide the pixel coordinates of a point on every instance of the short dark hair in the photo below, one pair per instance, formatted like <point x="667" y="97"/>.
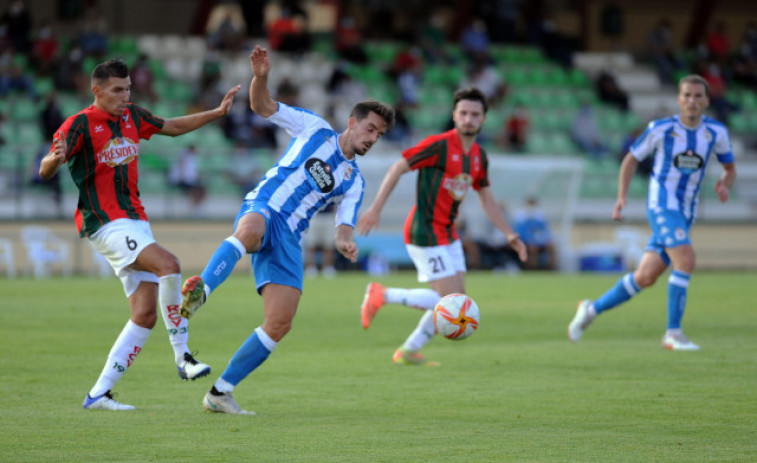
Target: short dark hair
<point x="472" y="94"/>
<point x="695" y="79"/>
<point x="108" y="69"/>
<point x="362" y="109"/>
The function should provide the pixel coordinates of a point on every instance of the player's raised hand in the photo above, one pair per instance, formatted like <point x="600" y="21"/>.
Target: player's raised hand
<point x="228" y="100"/>
<point x="721" y="190"/>
<point x="617" y="211"/>
<point x="259" y="61"/>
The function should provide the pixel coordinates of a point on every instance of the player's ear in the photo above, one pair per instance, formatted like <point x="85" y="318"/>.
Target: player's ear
<point x="351" y="123"/>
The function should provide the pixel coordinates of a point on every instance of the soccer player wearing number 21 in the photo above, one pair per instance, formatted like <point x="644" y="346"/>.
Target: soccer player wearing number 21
<point x="681" y="145"/>
<point x="318" y="169"/>
<point x="100" y="144"/>
<point x="447" y="164"/>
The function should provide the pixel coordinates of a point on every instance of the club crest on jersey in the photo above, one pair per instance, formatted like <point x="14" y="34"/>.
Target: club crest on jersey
<point x="347" y="173"/>
<point x="688" y="161"/>
<point x="457" y="185"/>
<point x="118" y="151"/>
<point x="321" y="174"/>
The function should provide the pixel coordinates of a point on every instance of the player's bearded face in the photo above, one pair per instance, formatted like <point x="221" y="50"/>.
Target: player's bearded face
<point x="367" y="132"/>
<point x="469" y="117"/>
<point x="113" y="94"/>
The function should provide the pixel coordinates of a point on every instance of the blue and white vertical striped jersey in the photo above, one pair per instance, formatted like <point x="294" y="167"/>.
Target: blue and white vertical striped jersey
<point x="312" y="173"/>
<point x="680" y="159"/>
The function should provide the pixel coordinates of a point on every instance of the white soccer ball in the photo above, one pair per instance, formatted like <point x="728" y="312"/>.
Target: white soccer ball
<point x="456" y="316"/>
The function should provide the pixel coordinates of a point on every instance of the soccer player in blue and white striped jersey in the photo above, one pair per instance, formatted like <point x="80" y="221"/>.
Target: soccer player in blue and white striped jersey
<point x="318" y="169"/>
<point x="681" y="147"/>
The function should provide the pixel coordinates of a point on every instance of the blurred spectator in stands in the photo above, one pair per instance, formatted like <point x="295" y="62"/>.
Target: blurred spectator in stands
<point x="474" y="39"/>
<point x="555" y="45"/>
<point x="610" y="92"/>
<point x="185" y="175"/>
<point x="226" y="27"/>
<point x="13" y="75"/>
<point x="531" y="224"/>
<point x="18" y="25"/>
<point x="744" y="64"/>
<point x="517" y="127"/>
<point x="93" y="33"/>
<point x="664" y="52"/>
<point x="485" y="246"/>
<point x="44" y="49"/>
<point x="142" y="80"/>
<point x="401" y="133"/>
<point x="52" y="184"/>
<point x="70" y="75"/>
<point x="2" y="128"/>
<point x="288" y="32"/>
<point x="432" y="36"/>
<point x="243" y="168"/>
<point x="409" y="81"/>
<point x="501" y="16"/>
<point x="342" y="87"/>
<point x="585" y="133"/>
<point x="51" y="116"/>
<point x="718" y="44"/>
<point x="482" y="75"/>
<point x="718" y="88"/>
<point x="349" y="42"/>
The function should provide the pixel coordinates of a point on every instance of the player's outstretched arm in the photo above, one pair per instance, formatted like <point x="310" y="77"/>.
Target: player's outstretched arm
<point x="260" y="97"/>
<point x="55" y="158"/>
<point x="495" y="214"/>
<point x="370" y="219"/>
<point x="725" y="182"/>
<point x="627" y="169"/>
<point x="345" y="242"/>
<point x="183" y="124"/>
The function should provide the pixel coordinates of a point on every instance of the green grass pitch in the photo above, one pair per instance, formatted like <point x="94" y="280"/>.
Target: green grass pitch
<point x="516" y="391"/>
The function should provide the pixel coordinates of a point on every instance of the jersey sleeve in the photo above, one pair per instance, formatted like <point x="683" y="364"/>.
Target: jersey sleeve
<point x="147" y="123"/>
<point x="645" y="144"/>
<point x="424" y="154"/>
<point x="483" y="178"/>
<point x="723" y="147"/>
<point x="346" y="211"/>
<point x="297" y="120"/>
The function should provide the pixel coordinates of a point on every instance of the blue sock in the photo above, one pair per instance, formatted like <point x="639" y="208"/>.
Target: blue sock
<point x="222" y="263"/>
<point x="678" y="284"/>
<point x="623" y="290"/>
<point x="254" y="351"/>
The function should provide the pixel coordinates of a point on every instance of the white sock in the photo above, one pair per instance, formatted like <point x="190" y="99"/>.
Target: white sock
<point x="223" y="386"/>
<point x="121" y="356"/>
<point x="420" y="298"/>
<point x="422" y="334"/>
<point x="169" y="300"/>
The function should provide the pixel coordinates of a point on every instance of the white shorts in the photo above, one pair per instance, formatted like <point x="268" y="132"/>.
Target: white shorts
<point x="120" y="242"/>
<point x="437" y="262"/>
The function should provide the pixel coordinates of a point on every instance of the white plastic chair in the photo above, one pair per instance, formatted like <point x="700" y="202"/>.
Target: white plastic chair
<point x="100" y="265"/>
<point x="633" y="241"/>
<point x="45" y="250"/>
<point x="7" y="258"/>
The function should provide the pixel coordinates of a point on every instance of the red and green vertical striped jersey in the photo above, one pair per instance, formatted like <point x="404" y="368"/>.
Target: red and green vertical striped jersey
<point x="445" y="172"/>
<point x="102" y="153"/>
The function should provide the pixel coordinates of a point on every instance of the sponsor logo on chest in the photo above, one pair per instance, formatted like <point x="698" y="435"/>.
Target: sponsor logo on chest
<point x="688" y="161"/>
<point x="118" y="151"/>
<point x="321" y="174"/>
<point x="458" y="185"/>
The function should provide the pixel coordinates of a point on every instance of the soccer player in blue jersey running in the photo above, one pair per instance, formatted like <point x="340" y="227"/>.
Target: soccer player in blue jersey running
<point x="681" y="145"/>
<point x="318" y="169"/>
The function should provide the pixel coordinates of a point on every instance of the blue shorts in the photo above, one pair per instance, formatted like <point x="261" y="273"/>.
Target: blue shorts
<point x="279" y="259"/>
<point x="669" y="229"/>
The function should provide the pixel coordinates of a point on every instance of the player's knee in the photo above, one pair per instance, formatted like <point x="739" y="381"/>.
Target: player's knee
<point x="169" y="265"/>
<point x="645" y="279"/>
<point x="277" y="329"/>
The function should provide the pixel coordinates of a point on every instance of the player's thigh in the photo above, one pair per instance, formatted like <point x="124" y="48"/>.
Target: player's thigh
<point x="682" y="257"/>
<point x="158" y="260"/>
<point x="437" y="262"/>
<point x="651" y="266"/>
<point x="449" y="285"/>
<point x="250" y="225"/>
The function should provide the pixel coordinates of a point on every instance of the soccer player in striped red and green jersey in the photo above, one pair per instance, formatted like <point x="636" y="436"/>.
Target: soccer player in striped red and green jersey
<point x="100" y="145"/>
<point x="448" y="164"/>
